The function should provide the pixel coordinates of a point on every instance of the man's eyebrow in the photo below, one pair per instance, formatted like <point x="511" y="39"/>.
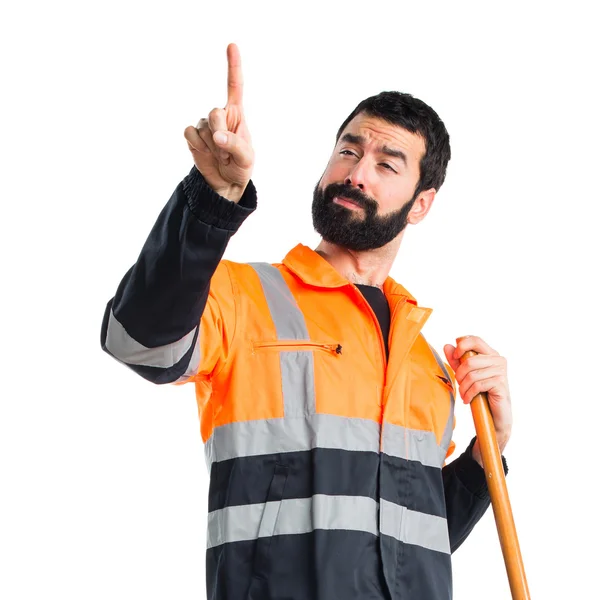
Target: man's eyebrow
<point x="359" y="140"/>
<point x="353" y="139"/>
<point x="395" y="153"/>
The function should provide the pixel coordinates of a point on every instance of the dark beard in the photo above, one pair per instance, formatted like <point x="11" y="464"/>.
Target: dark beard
<point x="340" y="226"/>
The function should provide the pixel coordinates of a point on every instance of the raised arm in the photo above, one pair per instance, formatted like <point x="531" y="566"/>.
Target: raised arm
<point x="153" y="322"/>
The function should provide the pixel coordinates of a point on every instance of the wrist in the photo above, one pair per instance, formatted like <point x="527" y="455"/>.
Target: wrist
<point x="476" y="454"/>
<point x="502" y="436"/>
<point x="474" y="477"/>
<point x="232" y="192"/>
<point x="502" y="439"/>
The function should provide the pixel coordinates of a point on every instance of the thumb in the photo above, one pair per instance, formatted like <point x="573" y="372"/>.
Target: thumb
<point x="449" y="352"/>
<point x="238" y="148"/>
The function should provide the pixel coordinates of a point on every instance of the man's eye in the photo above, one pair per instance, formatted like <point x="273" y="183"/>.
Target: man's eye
<point x="347" y="152"/>
<point x="389" y="167"/>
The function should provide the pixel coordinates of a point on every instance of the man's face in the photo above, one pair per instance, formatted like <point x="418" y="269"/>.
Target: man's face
<point x="364" y="198"/>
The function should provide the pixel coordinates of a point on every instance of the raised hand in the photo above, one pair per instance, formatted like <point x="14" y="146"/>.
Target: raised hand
<point x="221" y="144"/>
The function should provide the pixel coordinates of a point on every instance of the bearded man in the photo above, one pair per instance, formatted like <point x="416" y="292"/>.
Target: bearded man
<point x="326" y="416"/>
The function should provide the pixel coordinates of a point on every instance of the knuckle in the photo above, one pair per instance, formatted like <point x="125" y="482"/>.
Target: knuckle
<point x="470" y="362"/>
<point x="204" y="149"/>
<point x="248" y="157"/>
<point x="206" y="137"/>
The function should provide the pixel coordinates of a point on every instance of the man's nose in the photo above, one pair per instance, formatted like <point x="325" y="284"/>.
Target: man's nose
<point x="357" y="177"/>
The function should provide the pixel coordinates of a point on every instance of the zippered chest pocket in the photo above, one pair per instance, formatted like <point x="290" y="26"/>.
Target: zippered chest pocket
<point x="296" y="345"/>
<point x="297" y="366"/>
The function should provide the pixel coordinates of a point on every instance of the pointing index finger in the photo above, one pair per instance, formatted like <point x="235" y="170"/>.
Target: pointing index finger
<point x="235" y="81"/>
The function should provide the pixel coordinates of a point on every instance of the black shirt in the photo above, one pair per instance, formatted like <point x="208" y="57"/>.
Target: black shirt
<point x="376" y="298"/>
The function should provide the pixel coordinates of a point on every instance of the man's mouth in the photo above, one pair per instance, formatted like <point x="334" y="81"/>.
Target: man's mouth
<point x="347" y="202"/>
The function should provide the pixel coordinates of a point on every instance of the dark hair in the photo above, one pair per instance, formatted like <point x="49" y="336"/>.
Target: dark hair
<point x="415" y="116"/>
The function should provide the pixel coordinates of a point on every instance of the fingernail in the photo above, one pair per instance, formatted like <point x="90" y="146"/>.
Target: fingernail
<point x="220" y="137"/>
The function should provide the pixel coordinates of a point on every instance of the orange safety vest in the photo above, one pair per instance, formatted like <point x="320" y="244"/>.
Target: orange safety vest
<point x="317" y="443"/>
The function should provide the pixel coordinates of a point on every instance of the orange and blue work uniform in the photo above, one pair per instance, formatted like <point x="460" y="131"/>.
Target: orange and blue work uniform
<point x="326" y="426"/>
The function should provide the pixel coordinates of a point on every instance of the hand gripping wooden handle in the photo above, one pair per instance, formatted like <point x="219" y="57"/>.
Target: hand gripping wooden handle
<point x="494" y="474"/>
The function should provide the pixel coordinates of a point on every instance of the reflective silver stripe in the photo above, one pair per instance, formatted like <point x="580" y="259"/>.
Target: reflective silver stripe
<point x="294" y="516"/>
<point x="122" y="346"/>
<point x="297" y="367"/>
<point x="275" y="436"/>
<point x="287" y="317"/>
<point x="449" y="429"/>
<point x="194" y="365"/>
<point x="233" y="524"/>
<point x="441" y="364"/>
<point x="298" y="383"/>
<point x="412" y="444"/>
<point x="303" y="515"/>
<point x="412" y="527"/>
<point x="270" y="516"/>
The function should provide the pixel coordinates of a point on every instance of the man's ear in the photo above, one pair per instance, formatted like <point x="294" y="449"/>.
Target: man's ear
<point x="421" y="206"/>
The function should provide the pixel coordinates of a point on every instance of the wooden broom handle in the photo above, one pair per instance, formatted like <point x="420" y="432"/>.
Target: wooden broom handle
<point x="494" y="474"/>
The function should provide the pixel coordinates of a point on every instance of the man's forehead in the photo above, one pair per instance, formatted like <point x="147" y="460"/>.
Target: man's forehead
<point x="376" y="131"/>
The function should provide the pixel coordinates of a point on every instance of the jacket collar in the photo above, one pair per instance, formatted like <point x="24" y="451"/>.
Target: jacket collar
<point x="315" y="271"/>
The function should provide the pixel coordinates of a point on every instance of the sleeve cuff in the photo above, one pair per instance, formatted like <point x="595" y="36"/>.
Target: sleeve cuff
<point x="470" y="473"/>
<point x="210" y="208"/>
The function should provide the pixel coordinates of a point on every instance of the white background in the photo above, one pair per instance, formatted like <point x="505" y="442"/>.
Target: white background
<point x="103" y="483"/>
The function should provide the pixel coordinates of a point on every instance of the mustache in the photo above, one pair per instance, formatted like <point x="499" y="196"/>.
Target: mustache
<point x="350" y="192"/>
